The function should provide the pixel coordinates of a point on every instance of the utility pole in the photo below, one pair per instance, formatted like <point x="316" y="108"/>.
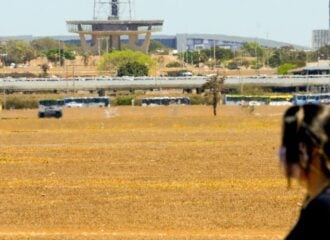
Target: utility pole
<point x="99" y="46"/>
<point x="130" y="9"/>
<point x="4" y="56"/>
<point x="4" y="95"/>
<point x="214" y="54"/>
<point x="94" y="12"/>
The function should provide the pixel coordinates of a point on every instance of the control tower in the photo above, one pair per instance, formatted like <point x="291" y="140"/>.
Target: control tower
<point x="107" y="28"/>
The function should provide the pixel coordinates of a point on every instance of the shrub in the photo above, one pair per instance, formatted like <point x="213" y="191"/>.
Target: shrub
<point x="173" y="65"/>
<point x="21" y="103"/>
<point x="252" y="90"/>
<point x="232" y="65"/>
<point x="133" y="69"/>
<point x="285" y="68"/>
<point x="115" y="59"/>
<point x="198" y="100"/>
<point x="255" y="65"/>
<point x="123" y="101"/>
<point x="176" y="73"/>
<point x="18" y="75"/>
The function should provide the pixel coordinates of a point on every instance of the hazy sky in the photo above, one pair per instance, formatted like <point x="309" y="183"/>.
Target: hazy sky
<point x="290" y="21"/>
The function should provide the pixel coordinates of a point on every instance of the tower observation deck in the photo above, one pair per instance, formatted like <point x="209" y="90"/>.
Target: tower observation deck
<point x="107" y="29"/>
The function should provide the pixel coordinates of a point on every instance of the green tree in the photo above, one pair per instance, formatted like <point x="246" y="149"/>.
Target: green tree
<point x="275" y="59"/>
<point x="204" y="55"/>
<point x="233" y="65"/>
<point x="18" y="52"/>
<point x="134" y="69"/>
<point x="322" y="53"/>
<point x="44" y="67"/>
<point x="114" y="60"/>
<point x="285" y="68"/>
<point x="293" y="56"/>
<point x="267" y="55"/>
<point x="59" y="55"/>
<point x="215" y="85"/>
<point x="223" y="54"/>
<point x="43" y="45"/>
<point x="191" y="57"/>
<point x="173" y="65"/>
<point x="156" y="45"/>
<point x="253" y="49"/>
<point x="240" y="62"/>
<point x="85" y="58"/>
<point x="288" y="55"/>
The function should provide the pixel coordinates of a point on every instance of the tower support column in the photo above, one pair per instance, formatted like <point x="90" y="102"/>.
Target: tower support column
<point x="115" y="42"/>
<point x="132" y="41"/>
<point x="90" y="48"/>
<point x="146" y="43"/>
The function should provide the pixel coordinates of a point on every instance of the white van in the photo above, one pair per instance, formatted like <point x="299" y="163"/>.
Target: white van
<point x="186" y="74"/>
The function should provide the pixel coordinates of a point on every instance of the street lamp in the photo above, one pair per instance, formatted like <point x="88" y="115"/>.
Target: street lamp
<point x="214" y="55"/>
<point x="4" y="94"/>
<point x="3" y="57"/>
<point x="5" y="53"/>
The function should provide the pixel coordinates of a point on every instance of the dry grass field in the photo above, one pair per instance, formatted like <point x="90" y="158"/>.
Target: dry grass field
<point x="144" y="173"/>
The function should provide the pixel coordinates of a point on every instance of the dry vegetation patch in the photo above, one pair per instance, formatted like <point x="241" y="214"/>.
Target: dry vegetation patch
<point x="144" y="173"/>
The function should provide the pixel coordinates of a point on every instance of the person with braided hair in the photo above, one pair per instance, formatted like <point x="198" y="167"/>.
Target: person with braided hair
<point x="305" y="157"/>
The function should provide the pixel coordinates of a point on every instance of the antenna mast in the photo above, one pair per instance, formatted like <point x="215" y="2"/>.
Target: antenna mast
<point x="130" y="9"/>
<point x="110" y="9"/>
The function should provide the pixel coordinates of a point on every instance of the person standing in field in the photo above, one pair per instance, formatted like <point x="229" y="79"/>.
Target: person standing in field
<point x="305" y="157"/>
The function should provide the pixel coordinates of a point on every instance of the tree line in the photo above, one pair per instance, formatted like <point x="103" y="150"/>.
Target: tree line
<point x="253" y="55"/>
<point x="250" y="55"/>
<point x="22" y="52"/>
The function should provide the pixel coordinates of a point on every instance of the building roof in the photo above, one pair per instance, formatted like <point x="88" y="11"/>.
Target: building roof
<point x="117" y="22"/>
<point x="311" y="69"/>
<point x="264" y="42"/>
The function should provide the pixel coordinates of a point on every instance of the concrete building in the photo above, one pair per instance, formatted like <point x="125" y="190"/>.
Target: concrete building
<point x="321" y="38"/>
<point x="312" y="70"/>
<point x="106" y="33"/>
<point x="193" y="42"/>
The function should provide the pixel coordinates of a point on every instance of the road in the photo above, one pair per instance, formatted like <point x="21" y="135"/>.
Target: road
<point x="140" y="83"/>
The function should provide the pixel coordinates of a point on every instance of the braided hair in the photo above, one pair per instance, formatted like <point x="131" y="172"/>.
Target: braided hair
<point x="304" y="129"/>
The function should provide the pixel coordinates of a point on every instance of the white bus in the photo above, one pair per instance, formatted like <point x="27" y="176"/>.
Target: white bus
<point x="165" y="101"/>
<point x="272" y="100"/>
<point x="78" y="102"/>
<point x="314" y="98"/>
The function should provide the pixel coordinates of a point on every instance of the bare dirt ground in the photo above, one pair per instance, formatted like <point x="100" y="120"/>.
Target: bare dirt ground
<point x="144" y="173"/>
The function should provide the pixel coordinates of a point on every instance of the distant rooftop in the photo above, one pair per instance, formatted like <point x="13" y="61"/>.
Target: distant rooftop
<point x="264" y="42"/>
<point x="312" y="70"/>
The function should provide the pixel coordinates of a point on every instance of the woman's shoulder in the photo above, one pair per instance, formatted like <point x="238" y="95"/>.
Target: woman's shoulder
<point x="314" y="220"/>
<point x="324" y="197"/>
<point x="321" y="204"/>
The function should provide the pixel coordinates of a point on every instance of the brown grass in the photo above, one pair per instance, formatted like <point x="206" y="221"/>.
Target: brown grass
<point x="144" y="173"/>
